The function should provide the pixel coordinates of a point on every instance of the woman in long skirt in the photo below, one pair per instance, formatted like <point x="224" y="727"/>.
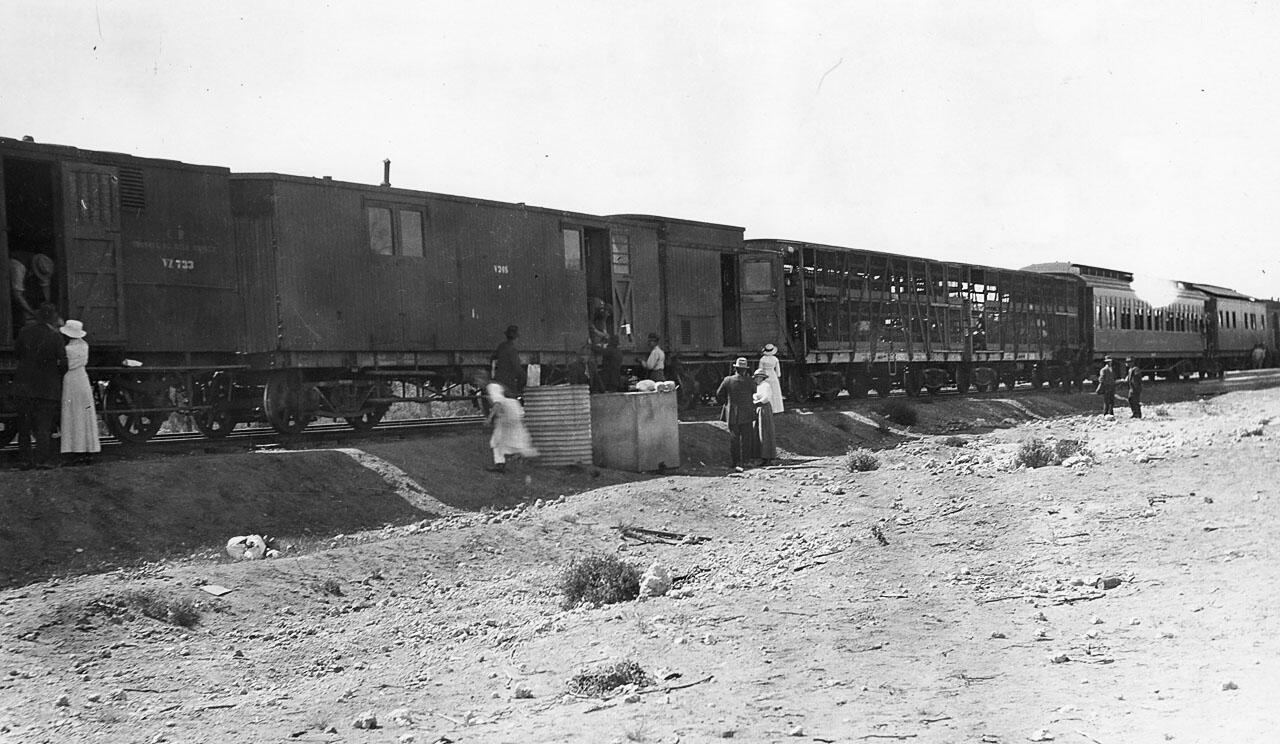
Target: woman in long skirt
<point x="509" y="435"/>
<point x="773" y="374"/>
<point x="763" y="425"/>
<point x="79" y="417"/>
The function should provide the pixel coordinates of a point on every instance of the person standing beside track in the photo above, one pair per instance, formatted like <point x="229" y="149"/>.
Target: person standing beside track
<point x="735" y="393"/>
<point x="1107" y="387"/>
<point x="773" y="375"/>
<point x="37" y="383"/>
<point x="1134" y="380"/>
<point x="506" y="363"/>
<point x="79" y="429"/>
<point x="655" y="364"/>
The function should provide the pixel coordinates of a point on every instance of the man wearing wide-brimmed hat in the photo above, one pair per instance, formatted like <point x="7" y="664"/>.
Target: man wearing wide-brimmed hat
<point x="735" y="393"/>
<point x="1107" y="387"/>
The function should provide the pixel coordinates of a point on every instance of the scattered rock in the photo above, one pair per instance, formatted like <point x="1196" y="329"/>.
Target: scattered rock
<point x="1111" y="582"/>
<point x="366" y="720"/>
<point x="656" y="581"/>
<point x="1095" y="620"/>
<point x="1040" y="735"/>
<point x="62" y="701"/>
<point x="1229" y="685"/>
<point x="401" y="717"/>
<point x="523" y="692"/>
<point x="1059" y="659"/>
<point x="998" y="634"/>
<point x="797" y="731"/>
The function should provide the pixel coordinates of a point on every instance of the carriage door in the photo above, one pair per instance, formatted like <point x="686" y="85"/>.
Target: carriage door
<point x="758" y="309"/>
<point x="91" y="218"/>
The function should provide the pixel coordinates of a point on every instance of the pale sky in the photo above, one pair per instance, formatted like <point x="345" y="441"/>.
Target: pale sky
<point x="1134" y="135"/>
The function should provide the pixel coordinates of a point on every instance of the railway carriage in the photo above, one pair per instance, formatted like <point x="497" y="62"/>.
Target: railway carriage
<point x="1237" y="328"/>
<point x="143" y="253"/>
<point x="864" y="320"/>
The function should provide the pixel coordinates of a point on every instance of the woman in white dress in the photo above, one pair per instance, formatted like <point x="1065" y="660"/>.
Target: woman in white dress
<point x="772" y="373"/>
<point x="79" y="416"/>
<point x="510" y="437"/>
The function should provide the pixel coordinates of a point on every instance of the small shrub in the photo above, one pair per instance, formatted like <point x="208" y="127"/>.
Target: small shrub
<point x="330" y="587"/>
<point x="1064" y="448"/>
<point x="602" y="680"/>
<point x="860" y="461"/>
<point x="1035" y="453"/>
<point x="1161" y="411"/>
<point x="954" y="441"/>
<point x="599" y="580"/>
<point x="899" y="412"/>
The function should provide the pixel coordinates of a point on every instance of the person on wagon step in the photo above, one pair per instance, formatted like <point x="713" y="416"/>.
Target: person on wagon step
<point x="1134" y="381"/>
<point x="1107" y="387"/>
<point x="735" y="393"/>
<point x="79" y="430"/>
<point x="37" y="384"/>
<point x="773" y="374"/>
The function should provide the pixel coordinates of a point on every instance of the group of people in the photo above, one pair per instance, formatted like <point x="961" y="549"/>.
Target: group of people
<point x="1107" y="386"/>
<point x="51" y="387"/>
<point x="750" y="400"/>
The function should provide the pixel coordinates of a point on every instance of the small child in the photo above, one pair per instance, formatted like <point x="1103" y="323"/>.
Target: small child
<point x="509" y="435"/>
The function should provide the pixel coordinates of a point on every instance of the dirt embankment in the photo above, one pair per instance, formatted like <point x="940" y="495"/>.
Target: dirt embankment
<point x="978" y="609"/>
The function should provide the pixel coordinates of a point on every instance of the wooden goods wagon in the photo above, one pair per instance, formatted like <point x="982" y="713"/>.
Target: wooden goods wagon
<point x="142" y="253"/>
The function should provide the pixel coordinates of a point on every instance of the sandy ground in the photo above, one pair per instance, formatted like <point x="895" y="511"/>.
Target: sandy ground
<point x="980" y="617"/>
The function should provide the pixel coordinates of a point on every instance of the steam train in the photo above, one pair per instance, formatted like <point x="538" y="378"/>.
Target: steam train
<point x="233" y="297"/>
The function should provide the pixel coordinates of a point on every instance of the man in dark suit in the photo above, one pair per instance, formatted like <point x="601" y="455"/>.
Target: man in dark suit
<point x="37" y="383"/>
<point x="735" y="393"/>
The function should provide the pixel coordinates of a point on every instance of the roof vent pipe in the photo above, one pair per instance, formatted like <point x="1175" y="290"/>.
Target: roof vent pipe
<point x="386" y="172"/>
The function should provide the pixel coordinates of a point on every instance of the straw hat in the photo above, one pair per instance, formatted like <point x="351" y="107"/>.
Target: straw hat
<point x="73" y="329"/>
<point x="769" y="349"/>
<point x="741" y="363"/>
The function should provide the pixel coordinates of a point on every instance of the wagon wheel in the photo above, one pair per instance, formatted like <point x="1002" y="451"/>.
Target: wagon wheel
<point x="8" y="429"/>
<point x="858" y="385"/>
<point x="911" y="382"/>
<point x="284" y="404"/>
<point x="368" y="418"/>
<point x="216" y="421"/>
<point x="801" y="387"/>
<point x="124" y="422"/>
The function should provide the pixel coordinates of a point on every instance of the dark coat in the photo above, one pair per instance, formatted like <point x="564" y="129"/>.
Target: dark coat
<point x="42" y="360"/>
<point x="735" y="393"/>
<point x="506" y="369"/>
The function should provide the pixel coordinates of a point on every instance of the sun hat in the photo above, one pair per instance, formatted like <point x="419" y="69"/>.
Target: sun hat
<point x="741" y="363"/>
<point x="770" y="349"/>
<point x="759" y="373"/>
<point x="73" y="329"/>
<point x="42" y="267"/>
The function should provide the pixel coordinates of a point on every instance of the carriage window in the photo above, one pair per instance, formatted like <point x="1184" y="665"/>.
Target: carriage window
<point x="757" y="276"/>
<point x="380" y="238"/>
<point x="395" y="230"/>
<point x="410" y="233"/>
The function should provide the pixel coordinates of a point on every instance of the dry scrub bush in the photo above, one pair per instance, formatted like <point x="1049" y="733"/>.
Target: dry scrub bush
<point x="175" y="611"/>
<point x="860" y="461"/>
<point x="602" y="680"/>
<point x="954" y="441"/>
<point x="899" y="413"/>
<point x="599" y="580"/>
<point x="1036" y="453"/>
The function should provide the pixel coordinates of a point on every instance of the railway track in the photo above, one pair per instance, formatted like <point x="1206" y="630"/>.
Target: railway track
<point x="320" y="435"/>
